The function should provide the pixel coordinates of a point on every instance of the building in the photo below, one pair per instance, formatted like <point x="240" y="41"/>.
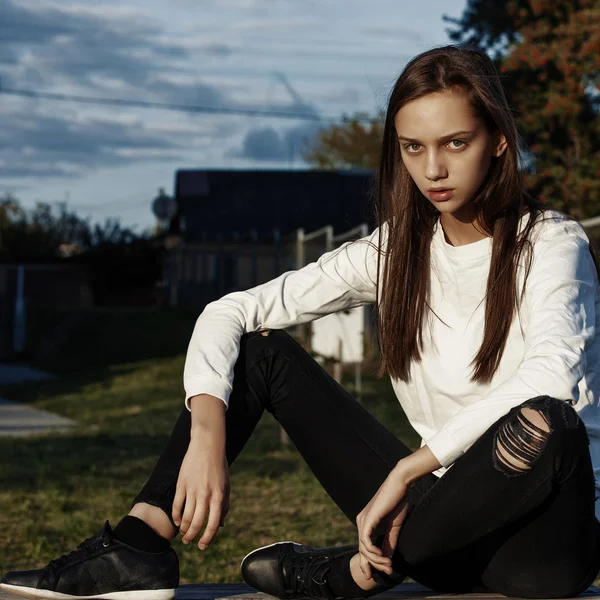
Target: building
<point x="233" y="230"/>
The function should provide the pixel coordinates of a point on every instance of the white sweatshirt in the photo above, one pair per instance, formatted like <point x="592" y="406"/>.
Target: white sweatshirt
<point x="551" y="350"/>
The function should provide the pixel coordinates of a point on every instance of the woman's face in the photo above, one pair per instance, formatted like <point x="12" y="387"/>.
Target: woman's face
<point x="443" y="145"/>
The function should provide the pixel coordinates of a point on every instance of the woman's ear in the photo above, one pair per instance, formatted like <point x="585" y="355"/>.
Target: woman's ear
<point x="500" y="144"/>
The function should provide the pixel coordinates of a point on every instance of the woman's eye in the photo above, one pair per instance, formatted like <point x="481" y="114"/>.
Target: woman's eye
<point x="413" y="148"/>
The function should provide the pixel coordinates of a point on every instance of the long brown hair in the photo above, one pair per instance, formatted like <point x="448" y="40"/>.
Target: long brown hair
<point x="409" y="219"/>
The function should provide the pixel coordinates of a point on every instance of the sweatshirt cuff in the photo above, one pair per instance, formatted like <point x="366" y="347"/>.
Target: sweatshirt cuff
<point x="207" y="385"/>
<point x="444" y="448"/>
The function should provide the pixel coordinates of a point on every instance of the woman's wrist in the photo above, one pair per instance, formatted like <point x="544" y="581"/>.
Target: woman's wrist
<point x="208" y="417"/>
<point x="418" y="464"/>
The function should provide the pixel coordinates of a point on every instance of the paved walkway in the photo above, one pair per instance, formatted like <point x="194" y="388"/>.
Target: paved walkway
<point x="405" y="591"/>
<point x="18" y="419"/>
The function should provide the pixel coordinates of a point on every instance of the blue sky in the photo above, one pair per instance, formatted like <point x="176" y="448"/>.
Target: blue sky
<point x="321" y="57"/>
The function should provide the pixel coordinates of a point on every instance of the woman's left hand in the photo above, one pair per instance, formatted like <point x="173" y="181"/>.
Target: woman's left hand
<point x="388" y="506"/>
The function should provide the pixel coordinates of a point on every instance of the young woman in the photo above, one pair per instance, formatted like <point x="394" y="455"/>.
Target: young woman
<point x="487" y="304"/>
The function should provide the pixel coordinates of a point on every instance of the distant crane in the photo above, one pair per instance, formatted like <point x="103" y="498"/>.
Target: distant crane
<point x="299" y="105"/>
<point x="298" y="100"/>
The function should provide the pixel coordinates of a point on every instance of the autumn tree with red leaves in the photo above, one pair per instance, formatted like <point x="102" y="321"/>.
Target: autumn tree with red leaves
<point x="548" y="54"/>
<point x="353" y="144"/>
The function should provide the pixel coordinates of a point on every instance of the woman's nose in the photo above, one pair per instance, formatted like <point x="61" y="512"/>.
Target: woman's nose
<point x="435" y="168"/>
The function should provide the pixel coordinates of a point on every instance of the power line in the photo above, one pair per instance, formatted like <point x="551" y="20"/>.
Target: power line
<point x="344" y="55"/>
<point x="170" y="106"/>
<point x="222" y="71"/>
<point x="311" y="42"/>
<point x="320" y="56"/>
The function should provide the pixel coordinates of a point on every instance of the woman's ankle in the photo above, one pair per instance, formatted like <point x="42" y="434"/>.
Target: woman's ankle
<point x="358" y="575"/>
<point x="155" y="517"/>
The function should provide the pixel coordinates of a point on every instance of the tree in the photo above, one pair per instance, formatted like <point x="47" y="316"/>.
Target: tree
<point x="39" y="233"/>
<point x="548" y="53"/>
<point x="353" y="144"/>
<point x="122" y="265"/>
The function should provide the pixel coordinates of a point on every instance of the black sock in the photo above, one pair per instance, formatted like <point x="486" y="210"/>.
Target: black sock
<point x="341" y="582"/>
<point x="137" y="533"/>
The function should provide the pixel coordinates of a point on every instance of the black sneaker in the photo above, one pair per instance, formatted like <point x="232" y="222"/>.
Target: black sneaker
<point x="101" y="567"/>
<point x="288" y="570"/>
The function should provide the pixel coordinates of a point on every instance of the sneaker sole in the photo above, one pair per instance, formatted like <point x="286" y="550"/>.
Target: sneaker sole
<point x="34" y="593"/>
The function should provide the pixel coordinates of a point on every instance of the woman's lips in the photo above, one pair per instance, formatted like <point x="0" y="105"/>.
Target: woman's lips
<point x="441" y="196"/>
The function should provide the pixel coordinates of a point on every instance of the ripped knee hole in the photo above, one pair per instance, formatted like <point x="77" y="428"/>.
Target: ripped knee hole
<point x="521" y="439"/>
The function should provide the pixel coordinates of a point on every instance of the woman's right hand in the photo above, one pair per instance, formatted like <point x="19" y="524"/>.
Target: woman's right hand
<point x="203" y="482"/>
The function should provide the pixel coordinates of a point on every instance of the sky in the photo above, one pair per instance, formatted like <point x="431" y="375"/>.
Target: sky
<point x="320" y="59"/>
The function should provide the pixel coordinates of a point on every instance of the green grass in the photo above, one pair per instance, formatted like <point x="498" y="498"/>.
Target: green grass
<point x="121" y="379"/>
<point x="59" y="489"/>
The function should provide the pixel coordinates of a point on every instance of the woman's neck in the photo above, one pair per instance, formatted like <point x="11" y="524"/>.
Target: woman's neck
<point x="460" y="233"/>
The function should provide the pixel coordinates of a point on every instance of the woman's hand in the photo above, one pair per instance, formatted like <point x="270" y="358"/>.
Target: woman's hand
<point x="388" y="506"/>
<point x="203" y="483"/>
<point x="203" y="486"/>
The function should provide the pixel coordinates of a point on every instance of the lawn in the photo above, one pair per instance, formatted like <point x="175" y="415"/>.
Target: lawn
<point x="121" y="379"/>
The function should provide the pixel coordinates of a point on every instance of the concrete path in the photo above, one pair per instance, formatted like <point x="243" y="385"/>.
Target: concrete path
<point x="405" y="591"/>
<point x="18" y="419"/>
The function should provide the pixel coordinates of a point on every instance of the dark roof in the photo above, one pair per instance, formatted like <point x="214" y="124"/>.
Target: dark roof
<point x="224" y="201"/>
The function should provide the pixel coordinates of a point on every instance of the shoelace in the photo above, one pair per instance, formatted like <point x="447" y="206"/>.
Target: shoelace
<point x="306" y="575"/>
<point x="86" y="548"/>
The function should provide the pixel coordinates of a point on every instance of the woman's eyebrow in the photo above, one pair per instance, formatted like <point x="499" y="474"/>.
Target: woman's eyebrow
<point x="444" y="137"/>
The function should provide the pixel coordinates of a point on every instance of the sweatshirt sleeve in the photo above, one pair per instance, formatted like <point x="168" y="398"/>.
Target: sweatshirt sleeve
<point x="340" y="279"/>
<point x="559" y="301"/>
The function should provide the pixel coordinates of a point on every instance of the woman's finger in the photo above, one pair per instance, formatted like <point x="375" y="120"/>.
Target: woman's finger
<point x="197" y="521"/>
<point x="178" y="504"/>
<point x="188" y="515"/>
<point x="365" y="567"/>
<point x="364" y="536"/>
<point x="212" y="526"/>
<point x="379" y="562"/>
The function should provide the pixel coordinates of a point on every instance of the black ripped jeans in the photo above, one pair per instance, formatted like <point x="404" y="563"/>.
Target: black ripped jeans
<point x="483" y="526"/>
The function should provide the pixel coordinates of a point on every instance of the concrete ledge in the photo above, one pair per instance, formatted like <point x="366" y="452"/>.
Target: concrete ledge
<point x="406" y="591"/>
<point x="239" y="591"/>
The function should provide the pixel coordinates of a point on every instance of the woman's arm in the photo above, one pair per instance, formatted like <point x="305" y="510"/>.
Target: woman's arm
<point x="559" y="311"/>
<point x="340" y="279"/>
<point x="202" y="491"/>
<point x="389" y="506"/>
<point x="418" y="464"/>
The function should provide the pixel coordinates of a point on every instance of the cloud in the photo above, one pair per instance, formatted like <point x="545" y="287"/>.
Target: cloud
<point x="112" y="51"/>
<point x="88" y="51"/>
<point x="48" y="148"/>
<point x="263" y="144"/>
<point x="278" y="24"/>
<point x="263" y="6"/>
<point x="397" y="33"/>
<point x="193" y="93"/>
<point x="268" y="144"/>
<point x="72" y="46"/>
